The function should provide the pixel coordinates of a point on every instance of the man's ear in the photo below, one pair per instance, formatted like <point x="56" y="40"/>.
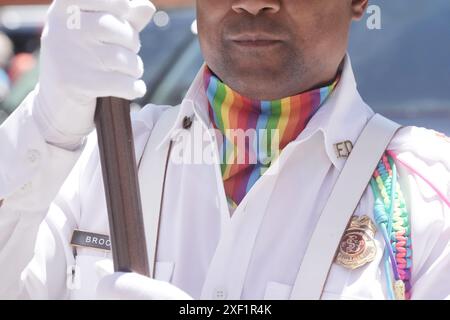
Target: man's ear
<point x="359" y="8"/>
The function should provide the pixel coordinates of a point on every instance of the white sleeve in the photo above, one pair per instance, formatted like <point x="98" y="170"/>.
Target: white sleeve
<point x="425" y="173"/>
<point x="31" y="174"/>
<point x="40" y="188"/>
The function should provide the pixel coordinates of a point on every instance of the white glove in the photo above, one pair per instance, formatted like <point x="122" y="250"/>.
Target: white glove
<point x="133" y="286"/>
<point x="96" y="57"/>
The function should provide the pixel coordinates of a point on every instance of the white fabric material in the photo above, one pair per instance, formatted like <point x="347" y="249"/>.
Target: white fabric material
<point x="152" y="168"/>
<point x="256" y="252"/>
<point x="98" y="58"/>
<point x="132" y="286"/>
<point x="343" y="200"/>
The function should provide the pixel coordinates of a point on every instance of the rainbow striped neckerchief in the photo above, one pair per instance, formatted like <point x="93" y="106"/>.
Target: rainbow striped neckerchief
<point x="274" y="124"/>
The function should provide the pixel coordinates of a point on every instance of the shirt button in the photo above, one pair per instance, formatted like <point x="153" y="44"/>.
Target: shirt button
<point x="220" y="294"/>
<point x="26" y="187"/>
<point x="33" y="155"/>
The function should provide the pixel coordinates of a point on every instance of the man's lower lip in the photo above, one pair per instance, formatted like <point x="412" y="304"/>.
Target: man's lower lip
<point x="257" y="43"/>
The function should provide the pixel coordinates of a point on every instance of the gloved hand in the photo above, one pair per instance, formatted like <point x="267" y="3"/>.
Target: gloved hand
<point x="132" y="286"/>
<point x="89" y="49"/>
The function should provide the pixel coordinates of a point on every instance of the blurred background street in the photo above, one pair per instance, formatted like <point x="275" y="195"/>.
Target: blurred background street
<point x="403" y="70"/>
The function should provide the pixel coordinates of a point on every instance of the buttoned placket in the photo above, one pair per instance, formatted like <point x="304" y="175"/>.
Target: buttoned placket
<point x="225" y="280"/>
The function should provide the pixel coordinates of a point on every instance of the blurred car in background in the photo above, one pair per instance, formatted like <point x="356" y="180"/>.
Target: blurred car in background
<point x="23" y="24"/>
<point x="402" y="70"/>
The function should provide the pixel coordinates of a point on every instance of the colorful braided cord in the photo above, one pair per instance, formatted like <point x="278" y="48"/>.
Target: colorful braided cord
<point x="392" y="210"/>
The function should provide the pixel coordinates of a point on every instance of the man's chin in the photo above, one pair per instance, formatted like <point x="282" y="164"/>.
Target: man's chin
<point x="257" y="73"/>
<point x="253" y="85"/>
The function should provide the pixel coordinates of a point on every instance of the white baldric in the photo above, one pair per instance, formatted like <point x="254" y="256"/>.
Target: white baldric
<point x="343" y="201"/>
<point x="341" y="204"/>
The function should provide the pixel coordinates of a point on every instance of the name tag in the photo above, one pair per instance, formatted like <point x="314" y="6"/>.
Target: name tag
<point x="90" y="240"/>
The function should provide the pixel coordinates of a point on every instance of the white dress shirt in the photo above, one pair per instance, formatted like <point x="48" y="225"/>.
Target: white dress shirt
<point x="202" y="249"/>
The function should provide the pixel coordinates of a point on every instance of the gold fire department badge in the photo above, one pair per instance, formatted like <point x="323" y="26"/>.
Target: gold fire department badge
<point x="357" y="245"/>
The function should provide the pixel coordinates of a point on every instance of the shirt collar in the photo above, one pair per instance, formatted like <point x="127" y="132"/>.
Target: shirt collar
<point x="194" y="104"/>
<point x="342" y="117"/>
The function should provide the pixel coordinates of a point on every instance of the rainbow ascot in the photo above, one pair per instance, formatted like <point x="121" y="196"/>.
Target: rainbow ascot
<point x="268" y="125"/>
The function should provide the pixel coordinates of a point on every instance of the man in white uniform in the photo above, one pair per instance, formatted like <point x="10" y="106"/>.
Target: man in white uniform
<point x="215" y="241"/>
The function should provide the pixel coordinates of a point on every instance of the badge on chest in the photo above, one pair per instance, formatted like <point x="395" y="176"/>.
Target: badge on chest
<point x="357" y="246"/>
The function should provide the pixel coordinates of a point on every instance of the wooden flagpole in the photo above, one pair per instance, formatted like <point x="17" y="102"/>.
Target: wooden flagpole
<point x="118" y="161"/>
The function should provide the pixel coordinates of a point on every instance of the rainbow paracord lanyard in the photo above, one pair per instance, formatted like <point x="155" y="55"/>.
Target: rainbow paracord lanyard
<point x="392" y="218"/>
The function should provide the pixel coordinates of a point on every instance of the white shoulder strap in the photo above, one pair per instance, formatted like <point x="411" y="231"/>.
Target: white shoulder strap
<point x="344" y="198"/>
<point x="152" y="171"/>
